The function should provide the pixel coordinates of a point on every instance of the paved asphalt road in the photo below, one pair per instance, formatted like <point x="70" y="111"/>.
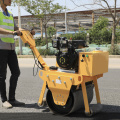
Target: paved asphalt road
<point x="29" y="87"/>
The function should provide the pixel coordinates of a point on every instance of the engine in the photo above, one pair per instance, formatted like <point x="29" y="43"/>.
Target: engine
<point x="67" y="57"/>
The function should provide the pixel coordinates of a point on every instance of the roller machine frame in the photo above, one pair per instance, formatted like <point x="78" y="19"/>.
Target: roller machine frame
<point x="70" y="91"/>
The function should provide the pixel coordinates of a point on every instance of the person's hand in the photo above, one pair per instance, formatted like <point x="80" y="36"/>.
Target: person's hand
<point x="32" y="32"/>
<point x="18" y="33"/>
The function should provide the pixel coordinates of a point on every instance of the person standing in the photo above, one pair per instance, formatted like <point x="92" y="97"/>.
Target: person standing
<point x="8" y="55"/>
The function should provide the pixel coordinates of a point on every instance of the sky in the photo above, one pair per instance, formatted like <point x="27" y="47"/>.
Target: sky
<point x="69" y="4"/>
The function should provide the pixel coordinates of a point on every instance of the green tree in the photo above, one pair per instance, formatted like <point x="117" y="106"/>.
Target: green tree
<point x="81" y="35"/>
<point x="99" y="33"/>
<point x="51" y="31"/>
<point x="106" y="35"/>
<point x="42" y="9"/>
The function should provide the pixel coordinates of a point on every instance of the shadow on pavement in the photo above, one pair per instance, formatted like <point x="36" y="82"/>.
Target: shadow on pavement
<point x="99" y="116"/>
<point x="109" y="112"/>
<point x="35" y="106"/>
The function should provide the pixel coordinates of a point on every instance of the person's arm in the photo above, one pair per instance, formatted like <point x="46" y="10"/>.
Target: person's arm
<point x="3" y="31"/>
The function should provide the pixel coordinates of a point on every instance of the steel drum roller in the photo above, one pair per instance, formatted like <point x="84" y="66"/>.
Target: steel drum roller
<point x="75" y="101"/>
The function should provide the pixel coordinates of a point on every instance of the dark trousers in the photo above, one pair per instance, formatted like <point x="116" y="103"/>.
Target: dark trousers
<point x="8" y="57"/>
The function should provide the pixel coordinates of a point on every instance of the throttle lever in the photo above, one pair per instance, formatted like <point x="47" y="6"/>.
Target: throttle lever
<point x="17" y="34"/>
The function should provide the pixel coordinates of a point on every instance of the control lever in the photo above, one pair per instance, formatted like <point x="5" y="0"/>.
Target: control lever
<point x="17" y="34"/>
<point x="83" y="57"/>
<point x="82" y="60"/>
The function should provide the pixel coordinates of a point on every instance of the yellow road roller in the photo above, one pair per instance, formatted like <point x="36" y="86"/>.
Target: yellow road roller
<point x="71" y="81"/>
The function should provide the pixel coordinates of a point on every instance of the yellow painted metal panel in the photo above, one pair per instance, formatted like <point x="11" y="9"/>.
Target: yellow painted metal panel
<point x="59" y="82"/>
<point x="94" y="64"/>
<point x="60" y="97"/>
<point x="59" y="85"/>
<point x="100" y="63"/>
<point x="76" y="78"/>
<point x="42" y="93"/>
<point x="85" y="67"/>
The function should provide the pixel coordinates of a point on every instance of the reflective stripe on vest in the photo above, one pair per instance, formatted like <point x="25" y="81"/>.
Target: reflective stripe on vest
<point x="6" y="36"/>
<point x="7" y="22"/>
<point x="7" y="27"/>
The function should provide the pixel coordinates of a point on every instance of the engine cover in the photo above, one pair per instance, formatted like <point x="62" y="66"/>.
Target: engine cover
<point x="67" y="60"/>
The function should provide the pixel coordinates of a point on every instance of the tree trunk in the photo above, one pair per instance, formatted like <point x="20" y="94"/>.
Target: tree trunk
<point x="113" y="37"/>
<point x="41" y="26"/>
<point x="92" y="18"/>
<point x="46" y="37"/>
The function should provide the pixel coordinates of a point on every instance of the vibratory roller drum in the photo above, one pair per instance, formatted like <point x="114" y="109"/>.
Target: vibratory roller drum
<point x="75" y="101"/>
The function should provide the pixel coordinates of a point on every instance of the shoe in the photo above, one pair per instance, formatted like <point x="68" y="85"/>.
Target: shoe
<point x="7" y="105"/>
<point x="16" y="103"/>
